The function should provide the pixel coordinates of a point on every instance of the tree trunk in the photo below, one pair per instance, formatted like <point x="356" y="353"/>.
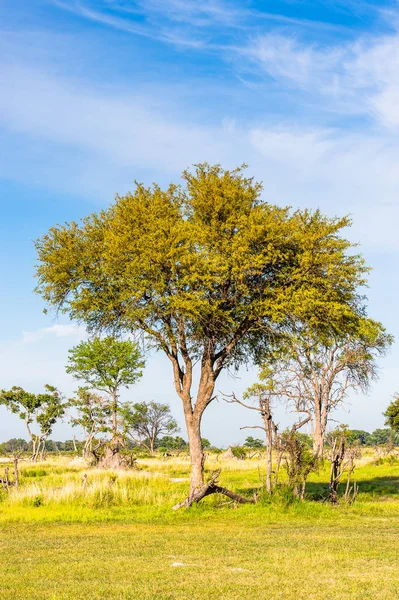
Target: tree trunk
<point x="196" y="454"/>
<point x="269" y="452"/>
<point x="152" y="446"/>
<point x="199" y="489"/>
<point x="318" y="433"/>
<point x="16" y="472"/>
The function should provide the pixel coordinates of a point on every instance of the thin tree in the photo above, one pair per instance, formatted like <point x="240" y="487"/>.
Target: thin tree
<point x="91" y="415"/>
<point x="259" y="398"/>
<point x="145" y="422"/>
<point x="315" y="373"/>
<point x="208" y="272"/>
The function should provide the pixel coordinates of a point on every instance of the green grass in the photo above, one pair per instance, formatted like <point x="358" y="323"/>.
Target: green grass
<point x="116" y="537"/>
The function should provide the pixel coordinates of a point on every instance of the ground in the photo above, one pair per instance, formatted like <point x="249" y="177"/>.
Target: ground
<point x="114" y="536"/>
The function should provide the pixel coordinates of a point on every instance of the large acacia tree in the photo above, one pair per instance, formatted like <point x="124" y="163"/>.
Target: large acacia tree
<point x="208" y="271"/>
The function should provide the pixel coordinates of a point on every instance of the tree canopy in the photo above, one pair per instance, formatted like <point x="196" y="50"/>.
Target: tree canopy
<point x="106" y="364"/>
<point x="392" y="414"/>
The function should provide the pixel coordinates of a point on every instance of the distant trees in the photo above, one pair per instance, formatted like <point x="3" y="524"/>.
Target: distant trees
<point x="380" y="437"/>
<point x="14" y="445"/>
<point x="358" y="436"/>
<point x="168" y="442"/>
<point x="209" y="273"/>
<point x="42" y="410"/>
<point x="145" y="422"/>
<point x="314" y="372"/>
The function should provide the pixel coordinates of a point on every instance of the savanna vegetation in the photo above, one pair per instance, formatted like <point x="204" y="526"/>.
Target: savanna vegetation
<point x="214" y="278"/>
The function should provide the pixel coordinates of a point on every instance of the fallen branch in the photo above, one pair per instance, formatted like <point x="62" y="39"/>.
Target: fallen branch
<point x="212" y="487"/>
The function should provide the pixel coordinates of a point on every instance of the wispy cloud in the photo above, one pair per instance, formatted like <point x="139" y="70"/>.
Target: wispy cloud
<point x="210" y="25"/>
<point x="308" y="165"/>
<point x="121" y="128"/>
<point x="118" y="20"/>
<point x="357" y="77"/>
<point x="58" y="331"/>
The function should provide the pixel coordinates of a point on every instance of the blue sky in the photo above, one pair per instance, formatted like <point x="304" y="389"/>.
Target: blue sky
<point x="96" y="94"/>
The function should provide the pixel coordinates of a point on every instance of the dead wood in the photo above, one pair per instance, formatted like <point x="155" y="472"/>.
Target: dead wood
<point x="212" y="487"/>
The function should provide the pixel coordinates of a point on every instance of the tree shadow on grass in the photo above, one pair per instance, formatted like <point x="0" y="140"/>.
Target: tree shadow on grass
<point x="377" y="486"/>
<point x="318" y="490"/>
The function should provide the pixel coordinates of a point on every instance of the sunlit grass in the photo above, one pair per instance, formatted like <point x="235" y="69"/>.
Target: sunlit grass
<point x="73" y="533"/>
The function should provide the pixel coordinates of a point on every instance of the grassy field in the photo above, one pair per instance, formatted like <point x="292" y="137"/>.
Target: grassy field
<point x="114" y="535"/>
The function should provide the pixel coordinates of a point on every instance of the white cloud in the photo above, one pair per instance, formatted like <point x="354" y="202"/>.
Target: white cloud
<point x="122" y="128"/>
<point x="356" y="77"/>
<point x="335" y="169"/>
<point x="59" y="331"/>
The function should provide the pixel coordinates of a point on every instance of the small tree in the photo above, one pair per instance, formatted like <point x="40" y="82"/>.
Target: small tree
<point x="43" y="409"/>
<point x="51" y="409"/>
<point x="206" y="444"/>
<point x="299" y="460"/>
<point x="92" y="411"/>
<point x="259" y="397"/>
<point x="145" y="422"/>
<point x="343" y="456"/>
<point x="107" y="365"/>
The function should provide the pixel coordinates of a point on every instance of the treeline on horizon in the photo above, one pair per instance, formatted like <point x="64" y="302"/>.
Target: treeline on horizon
<point x="177" y="444"/>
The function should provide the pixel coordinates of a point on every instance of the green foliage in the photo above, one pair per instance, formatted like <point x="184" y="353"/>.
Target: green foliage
<point x="383" y="436"/>
<point x="208" y="265"/>
<point x="106" y="364"/>
<point x="392" y="414"/>
<point x="22" y="403"/>
<point x="254" y="443"/>
<point x="359" y="436"/>
<point x="44" y="409"/>
<point x="305" y="438"/>
<point x="168" y="442"/>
